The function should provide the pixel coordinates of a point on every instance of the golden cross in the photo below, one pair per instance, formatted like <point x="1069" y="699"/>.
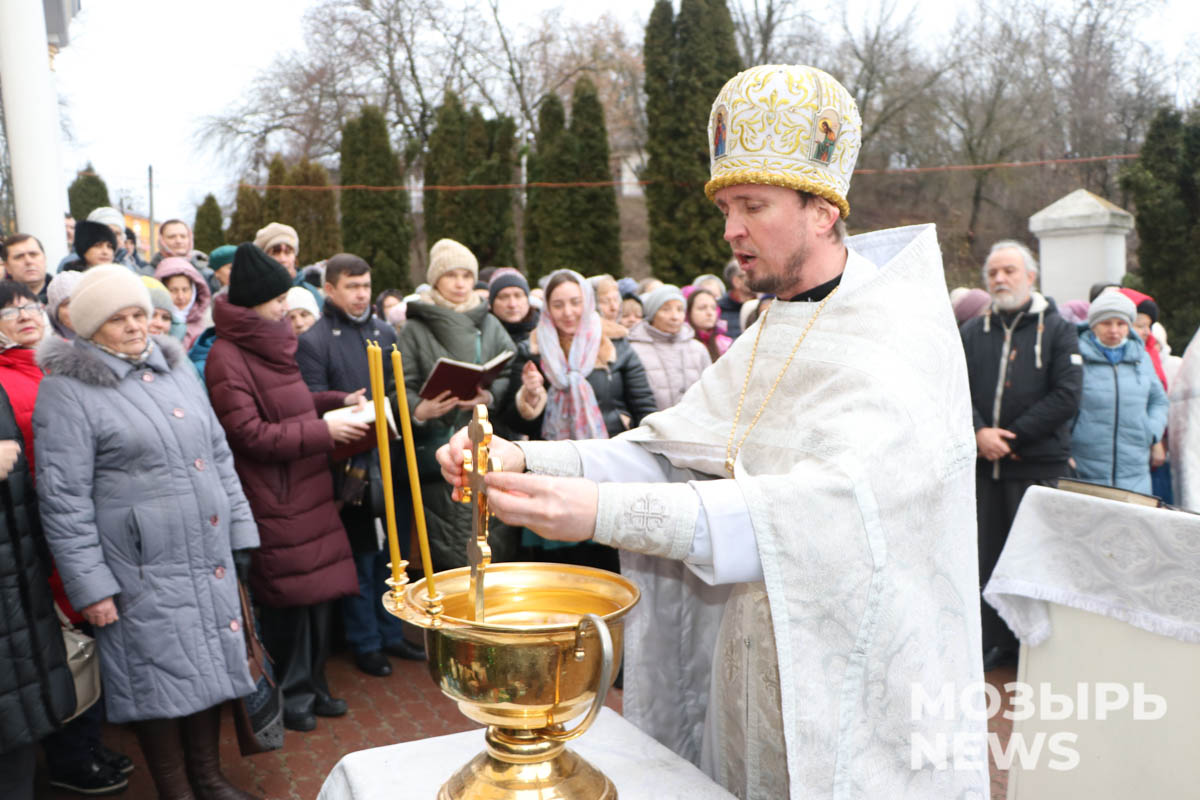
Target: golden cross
<point x="477" y="462"/>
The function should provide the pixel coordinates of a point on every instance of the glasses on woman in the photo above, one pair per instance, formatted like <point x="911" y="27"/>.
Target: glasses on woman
<point x="12" y="312"/>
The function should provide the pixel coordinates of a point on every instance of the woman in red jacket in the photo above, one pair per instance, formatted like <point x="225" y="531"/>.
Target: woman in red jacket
<point x="280" y="447"/>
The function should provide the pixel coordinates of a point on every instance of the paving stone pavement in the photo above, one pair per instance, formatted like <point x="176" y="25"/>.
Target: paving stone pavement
<point x="400" y="708"/>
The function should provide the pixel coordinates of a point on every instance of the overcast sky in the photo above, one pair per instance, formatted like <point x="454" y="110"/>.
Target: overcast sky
<point x="138" y="75"/>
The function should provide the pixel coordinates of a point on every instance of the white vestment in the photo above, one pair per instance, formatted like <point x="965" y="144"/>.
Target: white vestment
<point x="1183" y="423"/>
<point x="858" y="481"/>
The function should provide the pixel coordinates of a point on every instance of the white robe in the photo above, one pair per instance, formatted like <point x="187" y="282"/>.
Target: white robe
<point x="1183" y="422"/>
<point x="859" y="484"/>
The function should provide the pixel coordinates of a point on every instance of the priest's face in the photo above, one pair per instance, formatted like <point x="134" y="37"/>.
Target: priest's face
<point x="771" y="234"/>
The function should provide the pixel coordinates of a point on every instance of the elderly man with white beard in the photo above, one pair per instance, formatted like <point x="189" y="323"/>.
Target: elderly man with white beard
<point x="1026" y="379"/>
<point x="800" y="523"/>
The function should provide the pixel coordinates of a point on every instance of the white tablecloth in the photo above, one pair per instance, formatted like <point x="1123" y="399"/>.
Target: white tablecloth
<point x="1136" y="564"/>
<point x="637" y="765"/>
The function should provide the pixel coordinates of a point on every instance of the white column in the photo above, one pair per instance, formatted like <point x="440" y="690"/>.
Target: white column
<point x="1082" y="239"/>
<point x="31" y="116"/>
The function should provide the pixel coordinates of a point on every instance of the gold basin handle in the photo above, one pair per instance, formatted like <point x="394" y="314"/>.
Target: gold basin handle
<point x="606" y="677"/>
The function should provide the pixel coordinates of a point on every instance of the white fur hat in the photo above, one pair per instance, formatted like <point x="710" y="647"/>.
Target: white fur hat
<point x="104" y="291"/>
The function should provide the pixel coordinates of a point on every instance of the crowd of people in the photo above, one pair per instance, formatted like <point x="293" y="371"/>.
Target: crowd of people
<point x="172" y="428"/>
<point x="176" y="407"/>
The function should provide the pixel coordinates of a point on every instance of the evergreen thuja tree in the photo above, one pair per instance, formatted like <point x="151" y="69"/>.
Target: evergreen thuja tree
<point x="595" y="229"/>
<point x="1164" y="183"/>
<point x="445" y="165"/>
<point x="688" y="59"/>
<point x="375" y="225"/>
<point x="546" y="216"/>
<point x="87" y="193"/>
<point x="247" y="216"/>
<point x="207" y="231"/>
<point x="311" y="211"/>
<point x="277" y="176"/>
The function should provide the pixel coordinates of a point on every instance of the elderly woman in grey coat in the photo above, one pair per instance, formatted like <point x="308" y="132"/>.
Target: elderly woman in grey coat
<point x="143" y="513"/>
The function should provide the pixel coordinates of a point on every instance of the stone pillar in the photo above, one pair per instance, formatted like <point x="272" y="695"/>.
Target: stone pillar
<point x="31" y="117"/>
<point x="1082" y="241"/>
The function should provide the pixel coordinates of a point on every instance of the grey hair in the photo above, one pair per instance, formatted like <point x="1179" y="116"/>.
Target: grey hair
<point x="731" y="269"/>
<point x="1031" y="264"/>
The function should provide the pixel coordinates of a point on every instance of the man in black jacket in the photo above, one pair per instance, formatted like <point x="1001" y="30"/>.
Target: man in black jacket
<point x="332" y="356"/>
<point x="1026" y="376"/>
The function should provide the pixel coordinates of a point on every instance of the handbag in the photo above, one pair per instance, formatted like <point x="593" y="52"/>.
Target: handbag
<point x="257" y="717"/>
<point x="84" y="663"/>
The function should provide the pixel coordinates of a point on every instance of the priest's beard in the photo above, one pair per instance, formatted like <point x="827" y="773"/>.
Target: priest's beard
<point x="785" y="281"/>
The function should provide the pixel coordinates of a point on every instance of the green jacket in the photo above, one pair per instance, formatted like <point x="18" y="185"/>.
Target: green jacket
<point x="432" y="332"/>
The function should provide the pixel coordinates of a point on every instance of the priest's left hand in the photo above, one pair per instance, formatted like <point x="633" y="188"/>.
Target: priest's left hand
<point x="553" y="508"/>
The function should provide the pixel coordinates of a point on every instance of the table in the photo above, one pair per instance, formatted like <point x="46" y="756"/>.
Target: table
<point x="637" y="765"/>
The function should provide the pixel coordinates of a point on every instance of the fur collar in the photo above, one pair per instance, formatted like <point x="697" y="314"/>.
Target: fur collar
<point x="83" y="362"/>
<point x="604" y="356"/>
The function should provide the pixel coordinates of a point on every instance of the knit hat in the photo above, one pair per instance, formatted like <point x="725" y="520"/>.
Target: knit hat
<point x="506" y="279"/>
<point x="300" y="298"/>
<point x="59" y="290"/>
<point x="103" y="291"/>
<point x="1109" y="305"/>
<point x="276" y="233"/>
<point x="107" y="215"/>
<point x="652" y="302"/>
<point x="89" y="234"/>
<point x="160" y="298"/>
<point x="628" y="287"/>
<point x="970" y="303"/>
<point x="789" y="126"/>
<point x="256" y="277"/>
<point x="447" y="254"/>
<point x="221" y="256"/>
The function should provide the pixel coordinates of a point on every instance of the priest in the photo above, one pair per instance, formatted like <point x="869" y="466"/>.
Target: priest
<point x="802" y="523"/>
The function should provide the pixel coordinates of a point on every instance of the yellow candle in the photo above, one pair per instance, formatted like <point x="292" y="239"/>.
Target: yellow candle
<point x="414" y="479"/>
<point x="379" y="396"/>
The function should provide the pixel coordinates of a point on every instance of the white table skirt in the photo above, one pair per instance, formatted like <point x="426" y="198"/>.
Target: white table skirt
<point x="1128" y="562"/>
<point x="637" y="765"/>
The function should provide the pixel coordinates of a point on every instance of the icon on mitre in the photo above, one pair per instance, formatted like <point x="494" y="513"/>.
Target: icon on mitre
<point x="719" y="133"/>
<point x="828" y="125"/>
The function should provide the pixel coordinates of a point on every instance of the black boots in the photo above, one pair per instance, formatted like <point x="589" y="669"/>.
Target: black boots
<point x="201" y="734"/>
<point x="182" y="757"/>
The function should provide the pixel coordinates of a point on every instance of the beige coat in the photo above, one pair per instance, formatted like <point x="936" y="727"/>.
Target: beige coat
<point x="673" y="361"/>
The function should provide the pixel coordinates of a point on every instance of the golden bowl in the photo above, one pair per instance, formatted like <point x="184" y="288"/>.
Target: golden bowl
<point x="533" y="663"/>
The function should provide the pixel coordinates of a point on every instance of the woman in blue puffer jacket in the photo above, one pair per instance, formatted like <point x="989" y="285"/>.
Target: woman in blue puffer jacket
<point x="1123" y="410"/>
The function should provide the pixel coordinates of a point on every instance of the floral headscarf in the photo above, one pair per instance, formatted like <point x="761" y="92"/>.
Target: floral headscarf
<point x="571" y="409"/>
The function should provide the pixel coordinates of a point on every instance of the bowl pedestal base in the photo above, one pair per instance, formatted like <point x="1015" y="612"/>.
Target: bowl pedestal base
<point x="518" y="766"/>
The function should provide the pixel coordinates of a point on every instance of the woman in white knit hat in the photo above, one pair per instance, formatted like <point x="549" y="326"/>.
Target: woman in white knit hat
<point x="143" y="513"/>
<point x="450" y="321"/>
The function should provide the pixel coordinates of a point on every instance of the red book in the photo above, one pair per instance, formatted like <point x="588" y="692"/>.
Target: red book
<point x="464" y="380"/>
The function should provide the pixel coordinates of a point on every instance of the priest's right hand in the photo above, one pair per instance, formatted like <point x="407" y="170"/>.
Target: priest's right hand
<point x="450" y="458"/>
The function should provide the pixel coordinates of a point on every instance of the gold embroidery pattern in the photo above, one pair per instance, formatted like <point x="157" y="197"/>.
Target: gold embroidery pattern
<point x="767" y="121"/>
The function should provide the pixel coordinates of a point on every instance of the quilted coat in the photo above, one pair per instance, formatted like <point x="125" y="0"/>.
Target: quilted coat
<point x="1122" y="413"/>
<point x="36" y="690"/>
<point x="673" y="361"/>
<point x="433" y="332"/>
<point x="140" y="502"/>
<point x="280" y="449"/>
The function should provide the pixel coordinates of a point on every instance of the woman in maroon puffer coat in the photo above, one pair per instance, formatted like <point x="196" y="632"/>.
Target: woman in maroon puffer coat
<point x="280" y="448"/>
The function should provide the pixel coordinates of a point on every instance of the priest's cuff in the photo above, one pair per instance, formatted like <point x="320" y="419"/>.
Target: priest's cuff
<point x="652" y="518"/>
<point x="559" y="459"/>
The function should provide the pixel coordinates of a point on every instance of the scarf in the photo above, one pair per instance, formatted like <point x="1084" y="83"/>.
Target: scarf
<point x="1113" y="354"/>
<point x="571" y="409"/>
<point x="466" y="305"/>
<point x="138" y="361"/>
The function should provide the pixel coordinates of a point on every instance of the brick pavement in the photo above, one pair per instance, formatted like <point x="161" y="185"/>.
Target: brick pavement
<point x="400" y="708"/>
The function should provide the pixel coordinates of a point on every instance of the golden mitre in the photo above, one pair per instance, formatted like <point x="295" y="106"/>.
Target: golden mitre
<point x="785" y="125"/>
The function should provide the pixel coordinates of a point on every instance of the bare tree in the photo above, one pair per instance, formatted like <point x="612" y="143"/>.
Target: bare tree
<point x="770" y="31"/>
